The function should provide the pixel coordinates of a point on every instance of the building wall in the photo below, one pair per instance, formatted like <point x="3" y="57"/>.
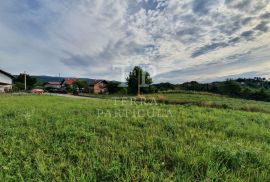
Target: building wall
<point x="100" y="88"/>
<point x="96" y="89"/>
<point x="5" y="79"/>
<point x="5" y="88"/>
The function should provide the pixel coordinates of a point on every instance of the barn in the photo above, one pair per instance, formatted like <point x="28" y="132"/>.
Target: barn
<point x="5" y="81"/>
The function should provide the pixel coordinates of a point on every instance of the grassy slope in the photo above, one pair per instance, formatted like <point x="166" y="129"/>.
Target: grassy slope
<point x="48" y="138"/>
<point x="213" y="100"/>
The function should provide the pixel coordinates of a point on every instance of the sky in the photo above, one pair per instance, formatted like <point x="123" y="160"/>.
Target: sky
<point x="176" y="41"/>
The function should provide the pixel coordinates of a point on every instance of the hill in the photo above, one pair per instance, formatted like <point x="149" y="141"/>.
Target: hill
<point x="56" y="79"/>
<point x="205" y="99"/>
<point x="250" y="89"/>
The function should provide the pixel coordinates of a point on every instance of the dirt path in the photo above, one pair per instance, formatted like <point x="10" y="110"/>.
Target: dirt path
<point x="68" y="96"/>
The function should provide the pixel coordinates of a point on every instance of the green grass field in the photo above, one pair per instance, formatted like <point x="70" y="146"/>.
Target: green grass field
<point x="46" y="138"/>
<point x="212" y="100"/>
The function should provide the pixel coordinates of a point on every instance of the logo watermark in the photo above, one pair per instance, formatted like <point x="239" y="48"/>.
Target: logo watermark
<point x="135" y="107"/>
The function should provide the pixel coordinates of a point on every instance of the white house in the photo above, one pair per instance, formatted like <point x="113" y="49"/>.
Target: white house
<point x="5" y="81"/>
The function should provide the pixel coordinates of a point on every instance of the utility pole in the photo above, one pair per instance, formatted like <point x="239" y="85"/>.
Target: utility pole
<point x="25" y="81"/>
<point x="139" y="91"/>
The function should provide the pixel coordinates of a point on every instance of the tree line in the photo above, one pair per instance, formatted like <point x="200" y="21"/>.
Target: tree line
<point x="252" y="88"/>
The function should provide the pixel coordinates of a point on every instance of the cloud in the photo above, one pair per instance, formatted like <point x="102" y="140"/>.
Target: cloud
<point x="207" y="48"/>
<point x="203" y="6"/>
<point x="88" y="38"/>
<point x="249" y="6"/>
<point x="263" y="26"/>
<point x="238" y="64"/>
<point x="247" y="34"/>
<point x="77" y="61"/>
<point x="265" y="15"/>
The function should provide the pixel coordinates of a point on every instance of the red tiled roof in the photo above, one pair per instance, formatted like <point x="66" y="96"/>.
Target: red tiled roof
<point x="69" y="81"/>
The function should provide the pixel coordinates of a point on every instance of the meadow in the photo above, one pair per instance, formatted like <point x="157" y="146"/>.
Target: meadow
<point x="205" y="99"/>
<point x="48" y="138"/>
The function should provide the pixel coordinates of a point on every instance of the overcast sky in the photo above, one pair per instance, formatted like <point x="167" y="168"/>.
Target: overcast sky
<point x="181" y="40"/>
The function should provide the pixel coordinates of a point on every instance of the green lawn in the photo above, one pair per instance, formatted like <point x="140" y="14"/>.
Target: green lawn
<point x="46" y="138"/>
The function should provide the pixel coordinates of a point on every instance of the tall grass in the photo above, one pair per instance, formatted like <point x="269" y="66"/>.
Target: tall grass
<point x="212" y="101"/>
<point x="45" y="138"/>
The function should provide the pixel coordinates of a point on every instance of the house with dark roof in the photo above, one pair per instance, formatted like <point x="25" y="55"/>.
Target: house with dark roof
<point x="99" y="87"/>
<point x="5" y="81"/>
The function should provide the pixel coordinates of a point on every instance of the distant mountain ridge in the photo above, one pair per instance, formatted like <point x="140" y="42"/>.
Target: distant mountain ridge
<point x="57" y="79"/>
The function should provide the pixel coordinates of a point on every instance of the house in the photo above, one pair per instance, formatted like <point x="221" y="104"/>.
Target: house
<point x="67" y="81"/>
<point x="54" y="85"/>
<point x="5" y="81"/>
<point x="99" y="87"/>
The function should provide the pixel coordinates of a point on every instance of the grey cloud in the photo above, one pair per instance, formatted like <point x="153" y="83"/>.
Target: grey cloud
<point x="95" y="60"/>
<point x="239" y="4"/>
<point x="233" y="24"/>
<point x="76" y="61"/>
<point x="193" y="31"/>
<point x="247" y="5"/>
<point x="111" y="52"/>
<point x="153" y="5"/>
<point x="228" y="30"/>
<point x="263" y="26"/>
<point x="189" y="35"/>
<point x="189" y="18"/>
<point x="208" y="48"/>
<point x="235" y="40"/>
<point x="235" y="58"/>
<point x="247" y="20"/>
<point x="202" y="72"/>
<point x="230" y="25"/>
<point x="92" y="65"/>
<point x="265" y="16"/>
<point x="133" y="48"/>
<point x="203" y="6"/>
<point x="239" y="55"/>
<point x="247" y="35"/>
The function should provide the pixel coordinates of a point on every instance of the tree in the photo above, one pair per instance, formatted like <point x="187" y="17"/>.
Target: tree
<point x="164" y="86"/>
<point x="232" y="88"/>
<point x="19" y="82"/>
<point x="139" y="81"/>
<point x="193" y="85"/>
<point x="260" y="95"/>
<point x="114" y="88"/>
<point x="38" y="85"/>
<point x="68" y="88"/>
<point x="246" y="93"/>
<point x="81" y="85"/>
